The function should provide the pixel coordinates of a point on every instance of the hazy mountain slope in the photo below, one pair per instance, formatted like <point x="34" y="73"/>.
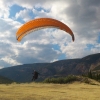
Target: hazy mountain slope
<point x="23" y="73"/>
<point x="4" y="80"/>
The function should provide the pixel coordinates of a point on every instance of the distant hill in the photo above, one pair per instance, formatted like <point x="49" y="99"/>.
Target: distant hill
<point x="23" y="73"/>
<point x="4" y="80"/>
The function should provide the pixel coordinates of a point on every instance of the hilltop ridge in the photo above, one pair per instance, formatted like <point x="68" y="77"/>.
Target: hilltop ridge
<point x="23" y="73"/>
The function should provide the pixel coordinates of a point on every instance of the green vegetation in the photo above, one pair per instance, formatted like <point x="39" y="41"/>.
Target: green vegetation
<point x="92" y="75"/>
<point x="69" y="79"/>
<point x="4" y="80"/>
<point x="61" y="80"/>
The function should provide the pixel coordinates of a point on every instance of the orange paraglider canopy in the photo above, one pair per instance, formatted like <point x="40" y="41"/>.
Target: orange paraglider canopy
<point x="41" y="23"/>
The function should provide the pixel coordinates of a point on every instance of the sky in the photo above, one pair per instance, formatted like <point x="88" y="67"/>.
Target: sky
<point x="49" y="44"/>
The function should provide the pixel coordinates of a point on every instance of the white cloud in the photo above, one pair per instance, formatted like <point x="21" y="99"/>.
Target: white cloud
<point x="24" y="15"/>
<point x="10" y="61"/>
<point x="82" y="16"/>
<point x="1" y="67"/>
<point x="4" y="9"/>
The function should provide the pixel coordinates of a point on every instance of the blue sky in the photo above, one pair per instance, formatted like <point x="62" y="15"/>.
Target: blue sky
<point x="15" y="9"/>
<point x="49" y="44"/>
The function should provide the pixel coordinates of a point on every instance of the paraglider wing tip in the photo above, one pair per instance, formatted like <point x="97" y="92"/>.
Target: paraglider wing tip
<point x="73" y="38"/>
<point x="17" y="39"/>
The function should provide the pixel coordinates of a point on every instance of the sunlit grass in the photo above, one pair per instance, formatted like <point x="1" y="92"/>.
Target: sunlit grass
<point x="42" y="91"/>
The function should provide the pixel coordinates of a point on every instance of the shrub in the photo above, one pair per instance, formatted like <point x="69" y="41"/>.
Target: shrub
<point x="61" y="80"/>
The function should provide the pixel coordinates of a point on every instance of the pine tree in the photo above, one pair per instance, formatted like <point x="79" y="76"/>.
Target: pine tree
<point x="90" y="74"/>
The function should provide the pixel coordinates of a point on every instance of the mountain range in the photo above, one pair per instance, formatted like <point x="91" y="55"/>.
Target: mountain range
<point x="23" y="73"/>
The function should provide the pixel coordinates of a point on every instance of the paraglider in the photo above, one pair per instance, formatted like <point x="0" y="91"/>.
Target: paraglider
<point x="35" y="75"/>
<point x="41" y="23"/>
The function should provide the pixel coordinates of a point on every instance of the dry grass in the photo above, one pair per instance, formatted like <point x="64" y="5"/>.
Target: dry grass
<point x="42" y="91"/>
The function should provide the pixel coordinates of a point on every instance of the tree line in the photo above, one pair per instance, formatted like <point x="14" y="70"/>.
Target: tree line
<point x="95" y="76"/>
